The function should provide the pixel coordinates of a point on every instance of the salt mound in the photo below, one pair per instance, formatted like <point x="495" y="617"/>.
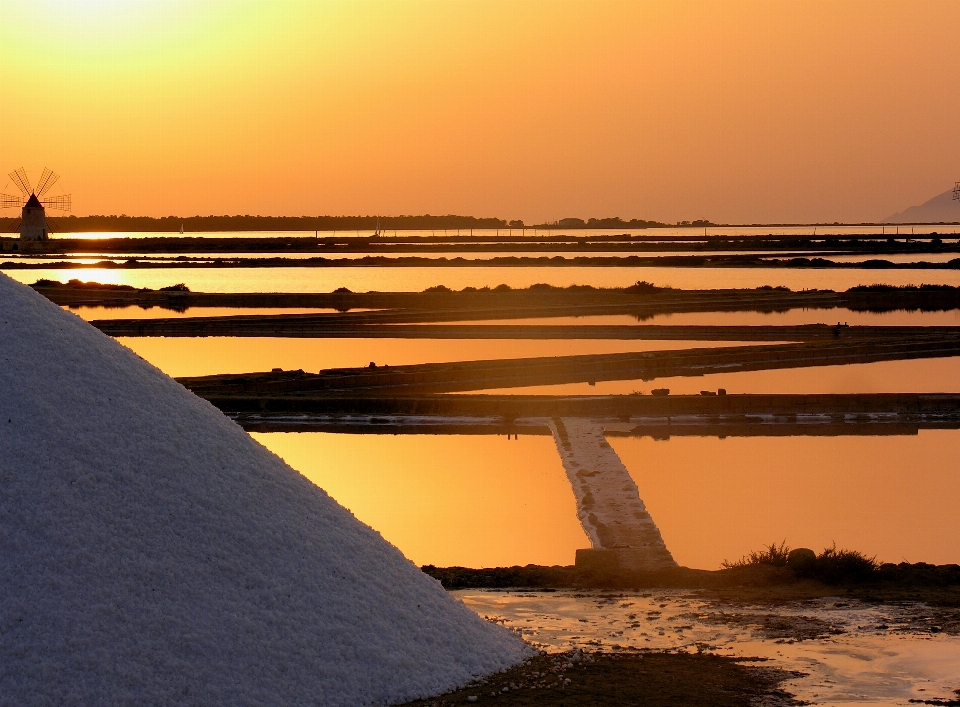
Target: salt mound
<point x="152" y="553"/>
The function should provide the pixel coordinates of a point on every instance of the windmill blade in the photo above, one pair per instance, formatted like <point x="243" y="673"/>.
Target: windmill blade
<point x="11" y="202"/>
<point x="62" y="202"/>
<point x="47" y="180"/>
<point x="19" y="177"/>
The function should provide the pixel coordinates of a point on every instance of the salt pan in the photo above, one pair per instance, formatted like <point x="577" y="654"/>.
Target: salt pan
<point x="151" y="552"/>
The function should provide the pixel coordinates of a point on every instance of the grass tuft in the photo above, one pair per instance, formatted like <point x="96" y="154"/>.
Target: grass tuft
<point x="774" y="555"/>
<point x="831" y="566"/>
<point x="835" y="566"/>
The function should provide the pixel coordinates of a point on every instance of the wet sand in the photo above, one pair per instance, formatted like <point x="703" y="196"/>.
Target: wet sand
<point x="831" y="650"/>
<point x="609" y="680"/>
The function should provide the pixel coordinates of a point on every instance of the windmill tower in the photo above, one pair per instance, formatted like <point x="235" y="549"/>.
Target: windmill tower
<point x="34" y="203"/>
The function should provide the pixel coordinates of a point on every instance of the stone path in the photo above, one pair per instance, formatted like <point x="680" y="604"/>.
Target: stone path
<point x="609" y="507"/>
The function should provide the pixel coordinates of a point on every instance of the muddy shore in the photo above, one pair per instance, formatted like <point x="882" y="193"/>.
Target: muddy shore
<point x="604" y="679"/>
<point x="766" y="602"/>
<point x="936" y="585"/>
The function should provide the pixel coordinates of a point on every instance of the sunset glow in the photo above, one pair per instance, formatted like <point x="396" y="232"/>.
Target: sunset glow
<point x="770" y="111"/>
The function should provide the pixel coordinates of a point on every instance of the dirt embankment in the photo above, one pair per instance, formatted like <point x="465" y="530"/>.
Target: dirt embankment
<point x="612" y="680"/>
<point x="937" y="585"/>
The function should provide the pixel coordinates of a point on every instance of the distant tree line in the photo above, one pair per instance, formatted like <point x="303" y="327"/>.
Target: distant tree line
<point x="615" y="222"/>
<point x="201" y="224"/>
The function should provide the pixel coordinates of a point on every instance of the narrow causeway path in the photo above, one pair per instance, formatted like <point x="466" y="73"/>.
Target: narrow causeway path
<point x="608" y="502"/>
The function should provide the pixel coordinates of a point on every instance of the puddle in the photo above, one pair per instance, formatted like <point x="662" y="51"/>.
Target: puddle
<point x="850" y="653"/>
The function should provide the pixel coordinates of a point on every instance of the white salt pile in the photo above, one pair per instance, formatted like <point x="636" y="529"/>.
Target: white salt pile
<point x="152" y="553"/>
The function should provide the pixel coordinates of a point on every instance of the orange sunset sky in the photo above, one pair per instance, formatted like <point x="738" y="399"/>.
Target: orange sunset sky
<point x="734" y="111"/>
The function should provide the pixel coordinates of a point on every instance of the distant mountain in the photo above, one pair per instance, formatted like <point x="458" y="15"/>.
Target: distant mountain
<point x="942" y="208"/>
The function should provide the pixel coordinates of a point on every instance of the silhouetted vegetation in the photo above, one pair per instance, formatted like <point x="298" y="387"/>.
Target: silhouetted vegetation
<point x="904" y="289"/>
<point x="615" y="222"/>
<point x="773" y="555"/>
<point x="832" y="566"/>
<point x="206" y="224"/>
<point x="78" y="284"/>
<point x="642" y="287"/>
<point x="425" y="222"/>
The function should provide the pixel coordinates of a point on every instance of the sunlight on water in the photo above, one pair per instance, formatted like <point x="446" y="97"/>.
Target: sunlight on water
<point x="664" y="232"/>
<point x="211" y="355"/>
<point x="136" y="312"/>
<point x="878" y="655"/>
<point x="717" y="499"/>
<point x="790" y="318"/>
<point x="484" y="501"/>
<point x="417" y="279"/>
<point x="931" y="375"/>
<point x="475" y="501"/>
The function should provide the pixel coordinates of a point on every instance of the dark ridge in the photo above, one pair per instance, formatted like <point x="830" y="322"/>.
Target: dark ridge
<point x="838" y="569"/>
<point x="208" y="224"/>
<point x="904" y="288"/>
<point x="576" y="678"/>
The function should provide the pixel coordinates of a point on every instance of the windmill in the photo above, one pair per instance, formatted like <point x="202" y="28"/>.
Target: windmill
<point x="34" y="203"/>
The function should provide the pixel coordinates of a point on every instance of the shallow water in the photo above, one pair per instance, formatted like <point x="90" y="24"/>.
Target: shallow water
<point x="438" y="252"/>
<point x="792" y="317"/>
<point x="484" y="501"/>
<point x="931" y="375"/>
<point x="789" y="318"/>
<point x="716" y="499"/>
<point x="665" y="232"/>
<point x="200" y="356"/>
<point x="878" y="655"/>
<point x="417" y="279"/>
<point x="478" y="501"/>
<point x="136" y="312"/>
<point x="896" y="258"/>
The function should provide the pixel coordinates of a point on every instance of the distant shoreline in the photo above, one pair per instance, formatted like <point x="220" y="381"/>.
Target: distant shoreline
<point x="935" y="584"/>
<point x="369" y="224"/>
<point x="280" y="224"/>
<point x="379" y="261"/>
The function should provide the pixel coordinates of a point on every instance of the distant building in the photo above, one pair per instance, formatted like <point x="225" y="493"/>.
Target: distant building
<point x="34" y="204"/>
<point x="33" y="221"/>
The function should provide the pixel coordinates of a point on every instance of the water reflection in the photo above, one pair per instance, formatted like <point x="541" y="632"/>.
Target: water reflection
<point x="433" y="252"/>
<point x="415" y="279"/>
<point x="930" y="375"/>
<point x="184" y="356"/>
<point x="792" y="317"/>
<point x="484" y="501"/>
<point x="136" y="312"/>
<point x="884" y="655"/>
<point x="476" y="501"/>
<point x="659" y="232"/>
<point x="716" y="499"/>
